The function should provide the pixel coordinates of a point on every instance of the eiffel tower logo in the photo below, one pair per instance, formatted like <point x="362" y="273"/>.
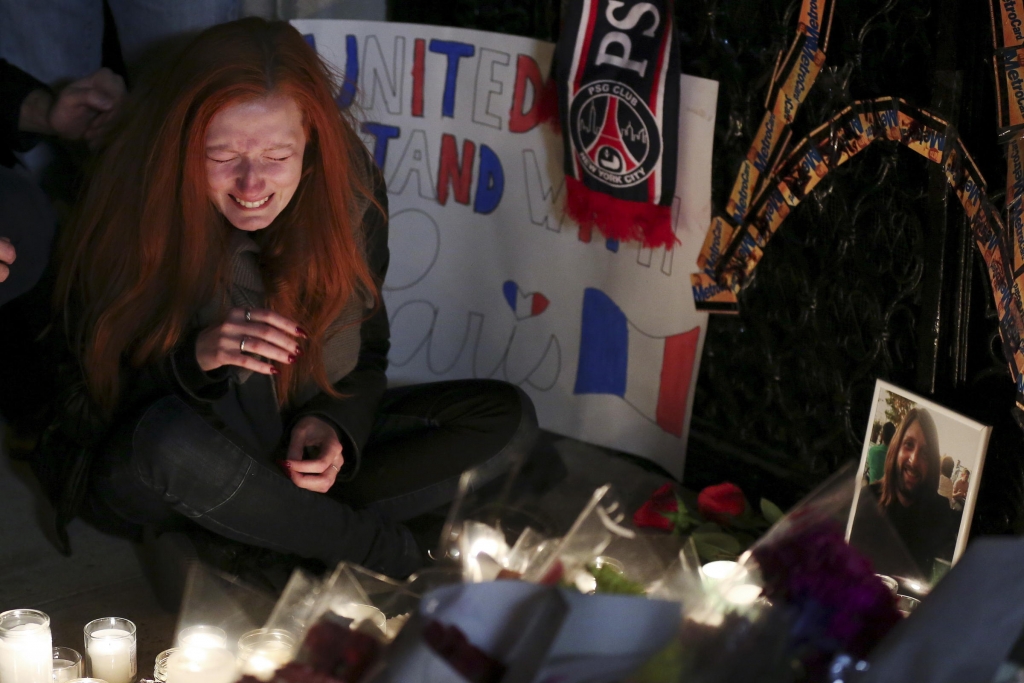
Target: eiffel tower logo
<point x="608" y="150"/>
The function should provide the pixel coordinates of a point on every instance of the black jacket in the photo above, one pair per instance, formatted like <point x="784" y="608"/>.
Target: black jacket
<point x="65" y="453"/>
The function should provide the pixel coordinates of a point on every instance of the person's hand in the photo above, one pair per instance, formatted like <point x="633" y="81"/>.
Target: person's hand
<point x="7" y="256"/>
<point x="245" y="334"/>
<point x="86" y="107"/>
<point x="317" y="474"/>
<point x="82" y="109"/>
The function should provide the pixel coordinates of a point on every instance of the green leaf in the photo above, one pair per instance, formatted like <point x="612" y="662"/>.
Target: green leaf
<point x="681" y="517"/>
<point x="771" y="511"/>
<point x="713" y="545"/>
<point x="611" y="581"/>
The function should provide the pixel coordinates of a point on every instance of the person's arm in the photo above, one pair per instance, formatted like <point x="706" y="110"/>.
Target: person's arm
<point x="352" y="415"/>
<point x="179" y="373"/>
<point x="81" y="110"/>
<point x="16" y="88"/>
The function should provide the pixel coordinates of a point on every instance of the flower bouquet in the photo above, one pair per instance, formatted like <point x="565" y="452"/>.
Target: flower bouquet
<point x="800" y="605"/>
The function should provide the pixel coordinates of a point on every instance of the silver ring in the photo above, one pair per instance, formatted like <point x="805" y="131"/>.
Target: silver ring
<point x="336" y="468"/>
<point x="241" y="347"/>
<point x="248" y="315"/>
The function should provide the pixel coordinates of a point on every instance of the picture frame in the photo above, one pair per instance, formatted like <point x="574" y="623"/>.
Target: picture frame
<point x="911" y="446"/>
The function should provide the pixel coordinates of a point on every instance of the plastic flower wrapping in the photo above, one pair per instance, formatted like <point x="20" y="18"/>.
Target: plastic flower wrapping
<point x="510" y="600"/>
<point x="799" y="605"/>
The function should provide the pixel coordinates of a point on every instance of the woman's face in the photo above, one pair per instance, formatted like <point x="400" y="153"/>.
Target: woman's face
<point x="911" y="462"/>
<point x="254" y="159"/>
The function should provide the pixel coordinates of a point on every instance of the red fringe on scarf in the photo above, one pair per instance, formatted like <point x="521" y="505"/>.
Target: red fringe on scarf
<point x="619" y="219"/>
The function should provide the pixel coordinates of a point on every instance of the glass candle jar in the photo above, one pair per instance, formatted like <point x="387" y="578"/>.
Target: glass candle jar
<point x="26" y="647"/>
<point x="202" y="636"/>
<point x="67" y="665"/>
<point x="110" y="649"/>
<point x="201" y="665"/>
<point x="263" y="651"/>
<point x="160" y="665"/>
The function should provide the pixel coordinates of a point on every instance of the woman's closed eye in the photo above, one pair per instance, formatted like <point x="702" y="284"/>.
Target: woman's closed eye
<point x="221" y="160"/>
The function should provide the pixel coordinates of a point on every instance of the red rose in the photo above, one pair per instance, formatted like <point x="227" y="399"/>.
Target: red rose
<point x="652" y="512"/>
<point x="721" y="503"/>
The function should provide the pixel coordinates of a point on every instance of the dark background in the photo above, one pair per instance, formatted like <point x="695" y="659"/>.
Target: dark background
<point x="875" y="275"/>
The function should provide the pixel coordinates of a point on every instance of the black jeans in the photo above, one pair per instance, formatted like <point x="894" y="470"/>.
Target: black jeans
<point x="175" y="460"/>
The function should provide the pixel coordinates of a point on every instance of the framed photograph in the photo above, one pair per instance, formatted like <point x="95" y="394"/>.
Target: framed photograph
<point x="916" y="486"/>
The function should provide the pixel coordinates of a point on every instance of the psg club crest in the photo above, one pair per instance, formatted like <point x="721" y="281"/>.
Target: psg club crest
<point x="614" y="133"/>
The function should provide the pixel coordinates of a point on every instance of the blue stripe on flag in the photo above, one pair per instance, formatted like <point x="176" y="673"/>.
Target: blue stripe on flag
<point x="604" y="346"/>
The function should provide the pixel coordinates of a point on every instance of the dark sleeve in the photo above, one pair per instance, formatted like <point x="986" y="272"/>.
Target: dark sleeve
<point x="179" y="373"/>
<point x="15" y="85"/>
<point x="192" y="379"/>
<point x="352" y="414"/>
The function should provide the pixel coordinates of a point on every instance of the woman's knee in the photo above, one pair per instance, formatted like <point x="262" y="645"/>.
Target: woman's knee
<point x="178" y="456"/>
<point x="511" y="413"/>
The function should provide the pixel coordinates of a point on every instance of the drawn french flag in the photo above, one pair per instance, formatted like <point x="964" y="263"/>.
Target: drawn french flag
<point x="652" y="374"/>
<point x="524" y="304"/>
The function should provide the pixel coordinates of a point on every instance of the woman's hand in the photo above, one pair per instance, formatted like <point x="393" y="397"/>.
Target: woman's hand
<point x="318" y="474"/>
<point x="245" y="334"/>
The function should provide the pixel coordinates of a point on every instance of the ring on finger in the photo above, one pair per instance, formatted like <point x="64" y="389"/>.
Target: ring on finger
<point x="241" y="346"/>
<point x="248" y="315"/>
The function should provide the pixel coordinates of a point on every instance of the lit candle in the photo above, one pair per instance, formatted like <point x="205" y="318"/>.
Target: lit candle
<point x="26" y="648"/>
<point x="203" y="636"/>
<point x="201" y="665"/>
<point x="264" y="651"/>
<point x="743" y="595"/>
<point x="67" y="665"/>
<point x="110" y="649"/>
<point x="716" y="572"/>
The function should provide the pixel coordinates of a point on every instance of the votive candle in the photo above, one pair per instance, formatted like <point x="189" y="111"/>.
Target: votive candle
<point x="26" y="647"/>
<point x="110" y="649"/>
<point x="263" y="651"/>
<point x="67" y="665"/>
<point x="203" y="636"/>
<point x="201" y="665"/>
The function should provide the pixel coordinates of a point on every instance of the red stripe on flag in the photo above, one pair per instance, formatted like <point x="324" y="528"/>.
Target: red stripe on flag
<point x="676" y="372"/>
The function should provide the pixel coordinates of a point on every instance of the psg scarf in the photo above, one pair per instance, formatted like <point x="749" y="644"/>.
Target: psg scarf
<point x="617" y="64"/>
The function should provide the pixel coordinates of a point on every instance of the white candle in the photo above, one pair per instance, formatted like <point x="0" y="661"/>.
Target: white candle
<point x="743" y="594"/>
<point x="203" y="636"/>
<point x="111" y="653"/>
<point x="716" y="572"/>
<point x="264" y="651"/>
<point x="201" y="665"/>
<point x="67" y="665"/>
<point x="26" y="648"/>
<point x="266" y="659"/>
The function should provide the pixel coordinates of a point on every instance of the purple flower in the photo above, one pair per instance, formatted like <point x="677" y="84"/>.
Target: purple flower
<point x="839" y="602"/>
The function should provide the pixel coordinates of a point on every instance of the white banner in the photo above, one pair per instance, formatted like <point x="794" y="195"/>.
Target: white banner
<point x="487" y="278"/>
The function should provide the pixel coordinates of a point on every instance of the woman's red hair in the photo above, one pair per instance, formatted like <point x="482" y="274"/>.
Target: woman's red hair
<point x="147" y="247"/>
